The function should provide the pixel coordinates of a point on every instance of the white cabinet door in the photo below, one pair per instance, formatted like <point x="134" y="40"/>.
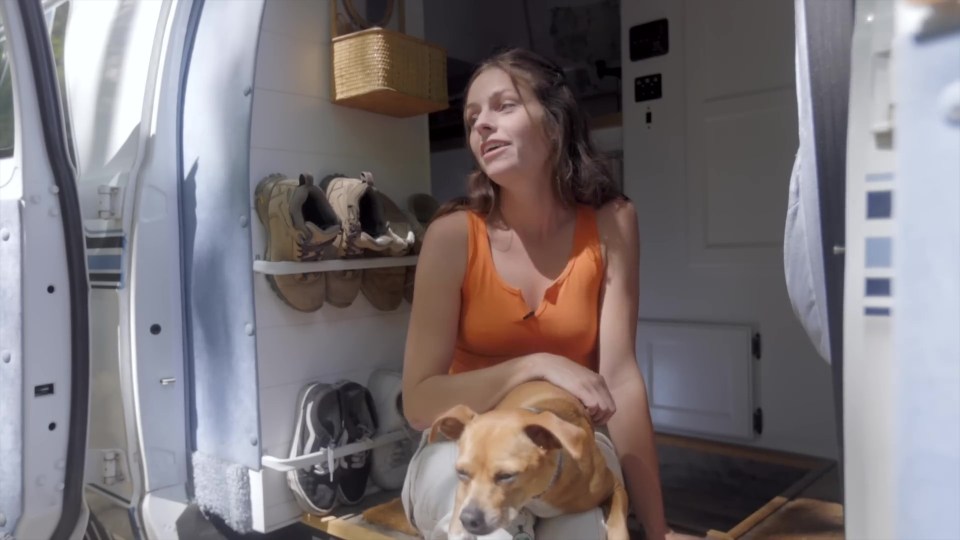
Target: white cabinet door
<point x="699" y="377"/>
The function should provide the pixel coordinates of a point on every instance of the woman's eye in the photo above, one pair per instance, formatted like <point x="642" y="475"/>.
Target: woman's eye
<point x="507" y="105"/>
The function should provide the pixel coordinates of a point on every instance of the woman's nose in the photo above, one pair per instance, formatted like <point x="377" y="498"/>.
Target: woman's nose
<point x="483" y="123"/>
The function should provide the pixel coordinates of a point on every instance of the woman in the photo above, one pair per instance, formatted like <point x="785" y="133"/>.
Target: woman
<point x="532" y="276"/>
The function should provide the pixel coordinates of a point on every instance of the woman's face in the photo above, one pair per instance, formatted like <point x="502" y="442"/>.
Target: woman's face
<point x="505" y="129"/>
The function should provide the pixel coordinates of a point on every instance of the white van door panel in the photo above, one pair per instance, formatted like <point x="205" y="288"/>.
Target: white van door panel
<point x="44" y="351"/>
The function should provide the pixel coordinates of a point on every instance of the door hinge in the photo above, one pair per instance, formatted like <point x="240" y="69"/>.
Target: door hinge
<point x="108" y="202"/>
<point x="758" y="420"/>
<point x="755" y="346"/>
<point x="112" y="470"/>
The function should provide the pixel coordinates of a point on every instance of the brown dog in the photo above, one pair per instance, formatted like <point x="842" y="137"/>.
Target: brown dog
<point x="536" y="450"/>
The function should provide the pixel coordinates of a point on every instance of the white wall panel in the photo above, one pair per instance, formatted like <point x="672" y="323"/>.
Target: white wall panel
<point x="296" y="129"/>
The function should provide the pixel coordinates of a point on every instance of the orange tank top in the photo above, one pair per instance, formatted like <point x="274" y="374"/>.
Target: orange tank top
<point x="495" y="321"/>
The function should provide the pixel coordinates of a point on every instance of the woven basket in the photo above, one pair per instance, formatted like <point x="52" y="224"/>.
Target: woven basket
<point x="389" y="72"/>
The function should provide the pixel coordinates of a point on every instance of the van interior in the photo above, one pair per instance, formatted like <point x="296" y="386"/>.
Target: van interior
<point x="178" y="111"/>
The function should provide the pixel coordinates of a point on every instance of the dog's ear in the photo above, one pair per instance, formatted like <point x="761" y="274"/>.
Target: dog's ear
<point x="451" y="423"/>
<point x="549" y="432"/>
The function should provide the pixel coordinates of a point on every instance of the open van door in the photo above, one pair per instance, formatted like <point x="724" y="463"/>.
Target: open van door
<point x="44" y="340"/>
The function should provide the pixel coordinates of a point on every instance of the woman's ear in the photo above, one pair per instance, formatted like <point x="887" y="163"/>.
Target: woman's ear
<point x="451" y="423"/>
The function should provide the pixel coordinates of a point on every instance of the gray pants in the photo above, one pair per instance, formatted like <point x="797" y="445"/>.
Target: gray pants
<point x="431" y="486"/>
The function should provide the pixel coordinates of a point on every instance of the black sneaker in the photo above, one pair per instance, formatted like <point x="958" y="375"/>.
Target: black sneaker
<point x="359" y="424"/>
<point x="319" y="425"/>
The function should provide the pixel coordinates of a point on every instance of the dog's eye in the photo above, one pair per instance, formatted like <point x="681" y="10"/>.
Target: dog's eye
<point x="463" y="475"/>
<point x="504" y="477"/>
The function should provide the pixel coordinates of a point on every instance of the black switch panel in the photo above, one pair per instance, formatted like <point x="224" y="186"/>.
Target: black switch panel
<point x="649" y="39"/>
<point x="647" y="87"/>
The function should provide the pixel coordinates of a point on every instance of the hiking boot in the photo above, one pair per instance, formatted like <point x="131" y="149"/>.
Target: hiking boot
<point x="400" y="226"/>
<point x="365" y="232"/>
<point x="384" y="287"/>
<point x="363" y="228"/>
<point x="390" y="461"/>
<point x="359" y="424"/>
<point x="319" y="425"/>
<point x="300" y="226"/>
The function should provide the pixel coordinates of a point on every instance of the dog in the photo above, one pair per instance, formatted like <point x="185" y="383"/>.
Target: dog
<point x="536" y="451"/>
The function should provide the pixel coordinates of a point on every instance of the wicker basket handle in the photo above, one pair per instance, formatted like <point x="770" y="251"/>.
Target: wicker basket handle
<point x="363" y="23"/>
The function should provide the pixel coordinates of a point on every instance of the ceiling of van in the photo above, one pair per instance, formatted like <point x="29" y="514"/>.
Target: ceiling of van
<point x="582" y="36"/>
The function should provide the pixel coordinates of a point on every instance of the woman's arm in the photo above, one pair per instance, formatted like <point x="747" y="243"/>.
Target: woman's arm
<point x="632" y="429"/>
<point x="427" y="388"/>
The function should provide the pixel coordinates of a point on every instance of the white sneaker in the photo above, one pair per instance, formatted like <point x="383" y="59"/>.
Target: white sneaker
<point x="390" y="461"/>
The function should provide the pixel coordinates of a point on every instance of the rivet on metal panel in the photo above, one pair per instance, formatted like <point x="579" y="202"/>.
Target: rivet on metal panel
<point x="60" y="486"/>
<point x="244" y="221"/>
<point x="248" y="90"/>
<point x="248" y="328"/>
<point x="54" y="211"/>
<point x="54" y="190"/>
<point x="4" y="234"/>
<point x="3" y="519"/>
<point x="6" y="357"/>
<point x="253" y="441"/>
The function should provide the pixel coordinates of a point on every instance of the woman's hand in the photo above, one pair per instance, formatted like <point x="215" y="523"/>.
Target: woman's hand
<point x="586" y="385"/>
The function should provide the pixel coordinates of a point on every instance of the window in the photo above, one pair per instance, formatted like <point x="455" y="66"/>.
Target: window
<point x="6" y="99"/>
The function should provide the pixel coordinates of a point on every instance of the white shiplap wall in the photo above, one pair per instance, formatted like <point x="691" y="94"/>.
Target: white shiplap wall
<point x="296" y="129"/>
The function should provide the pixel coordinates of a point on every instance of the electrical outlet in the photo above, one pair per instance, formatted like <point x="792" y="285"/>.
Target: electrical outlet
<point x="647" y="87"/>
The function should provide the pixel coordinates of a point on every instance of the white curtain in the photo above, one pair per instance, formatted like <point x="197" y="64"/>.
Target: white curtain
<point x="802" y="246"/>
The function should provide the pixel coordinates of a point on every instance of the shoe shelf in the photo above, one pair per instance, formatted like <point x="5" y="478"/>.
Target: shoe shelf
<point x="332" y="265"/>
<point x="331" y="453"/>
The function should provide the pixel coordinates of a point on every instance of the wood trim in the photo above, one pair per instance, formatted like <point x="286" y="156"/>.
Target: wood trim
<point x="777" y="502"/>
<point x="340" y="527"/>
<point x="759" y="515"/>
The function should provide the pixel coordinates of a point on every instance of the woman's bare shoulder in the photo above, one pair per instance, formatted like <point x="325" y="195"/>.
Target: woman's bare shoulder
<point x="445" y="244"/>
<point x="617" y="221"/>
<point x="448" y="231"/>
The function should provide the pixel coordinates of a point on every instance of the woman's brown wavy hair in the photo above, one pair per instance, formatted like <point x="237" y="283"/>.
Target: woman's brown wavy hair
<point x="580" y="174"/>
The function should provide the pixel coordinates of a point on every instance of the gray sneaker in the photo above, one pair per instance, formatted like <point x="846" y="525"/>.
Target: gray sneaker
<point x="359" y="424"/>
<point x="319" y="425"/>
